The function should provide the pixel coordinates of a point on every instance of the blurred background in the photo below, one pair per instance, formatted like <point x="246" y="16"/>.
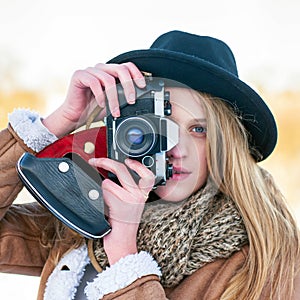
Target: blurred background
<point x="43" y="42"/>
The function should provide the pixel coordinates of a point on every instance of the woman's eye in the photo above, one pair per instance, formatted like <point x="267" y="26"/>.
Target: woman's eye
<point x="199" y="129"/>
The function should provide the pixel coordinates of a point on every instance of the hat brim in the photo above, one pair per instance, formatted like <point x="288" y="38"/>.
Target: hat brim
<point x="207" y="77"/>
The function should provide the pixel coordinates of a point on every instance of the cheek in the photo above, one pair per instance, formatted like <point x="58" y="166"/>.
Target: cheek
<point x="201" y="168"/>
<point x="197" y="163"/>
<point x="202" y="174"/>
<point x="201" y="157"/>
<point x="200" y="151"/>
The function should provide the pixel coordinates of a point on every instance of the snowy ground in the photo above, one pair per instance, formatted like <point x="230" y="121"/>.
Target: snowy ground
<point x="15" y="287"/>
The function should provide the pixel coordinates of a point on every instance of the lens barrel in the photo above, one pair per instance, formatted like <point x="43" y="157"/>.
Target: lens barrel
<point x="136" y="136"/>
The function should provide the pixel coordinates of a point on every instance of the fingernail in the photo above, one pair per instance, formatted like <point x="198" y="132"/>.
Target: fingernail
<point x="128" y="161"/>
<point x="101" y="104"/>
<point x="116" y="112"/>
<point x="92" y="161"/>
<point x="141" y="82"/>
<point x="131" y="98"/>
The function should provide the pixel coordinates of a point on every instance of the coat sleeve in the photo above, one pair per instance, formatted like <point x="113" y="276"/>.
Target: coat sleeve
<point x="10" y="151"/>
<point x="147" y="287"/>
<point x="20" y="248"/>
<point x="207" y="283"/>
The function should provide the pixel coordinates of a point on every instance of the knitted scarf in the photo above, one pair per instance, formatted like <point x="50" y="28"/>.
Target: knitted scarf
<point x="183" y="237"/>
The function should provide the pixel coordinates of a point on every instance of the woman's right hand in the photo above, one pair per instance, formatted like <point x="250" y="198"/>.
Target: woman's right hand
<point x="90" y="87"/>
<point x="124" y="204"/>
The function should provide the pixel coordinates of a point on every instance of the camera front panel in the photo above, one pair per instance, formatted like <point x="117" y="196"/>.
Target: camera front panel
<point x="141" y="132"/>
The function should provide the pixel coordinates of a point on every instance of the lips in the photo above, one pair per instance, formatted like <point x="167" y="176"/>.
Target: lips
<point x="179" y="170"/>
<point x="180" y="173"/>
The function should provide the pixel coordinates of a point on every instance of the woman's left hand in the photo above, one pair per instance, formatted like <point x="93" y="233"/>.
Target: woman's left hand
<point x="125" y="204"/>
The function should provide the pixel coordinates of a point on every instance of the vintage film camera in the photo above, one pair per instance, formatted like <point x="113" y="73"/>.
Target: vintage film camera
<point x="143" y="131"/>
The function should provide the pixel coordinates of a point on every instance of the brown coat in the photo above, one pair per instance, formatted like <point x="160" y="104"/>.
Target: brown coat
<point x="22" y="253"/>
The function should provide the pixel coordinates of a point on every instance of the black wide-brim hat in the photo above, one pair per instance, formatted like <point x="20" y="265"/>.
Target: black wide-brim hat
<point x="208" y="65"/>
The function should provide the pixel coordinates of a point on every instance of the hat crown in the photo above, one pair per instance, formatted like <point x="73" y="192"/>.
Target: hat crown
<point x="208" y="65"/>
<point x="205" y="48"/>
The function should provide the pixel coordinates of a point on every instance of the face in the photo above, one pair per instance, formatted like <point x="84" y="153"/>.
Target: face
<point x="189" y="155"/>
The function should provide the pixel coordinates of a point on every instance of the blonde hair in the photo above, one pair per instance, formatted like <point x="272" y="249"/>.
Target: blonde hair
<point x="272" y="231"/>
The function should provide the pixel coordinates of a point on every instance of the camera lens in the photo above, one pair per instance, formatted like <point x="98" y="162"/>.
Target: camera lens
<point x="135" y="136"/>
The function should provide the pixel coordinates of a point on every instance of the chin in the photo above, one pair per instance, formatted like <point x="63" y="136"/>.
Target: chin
<point x="171" y="194"/>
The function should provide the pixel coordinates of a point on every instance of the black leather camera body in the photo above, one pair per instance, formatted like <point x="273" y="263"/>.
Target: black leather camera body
<point x="144" y="131"/>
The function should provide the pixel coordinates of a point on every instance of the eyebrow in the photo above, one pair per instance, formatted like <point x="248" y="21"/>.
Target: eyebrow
<point x="196" y="120"/>
<point x="199" y="120"/>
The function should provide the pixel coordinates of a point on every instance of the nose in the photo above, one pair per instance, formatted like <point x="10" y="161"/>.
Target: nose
<point x="180" y="150"/>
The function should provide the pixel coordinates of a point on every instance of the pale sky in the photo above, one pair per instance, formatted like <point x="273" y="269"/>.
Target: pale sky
<point x="47" y="40"/>
<point x="44" y="42"/>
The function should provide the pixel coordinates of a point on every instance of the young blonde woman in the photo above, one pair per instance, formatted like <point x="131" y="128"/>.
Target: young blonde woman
<point x="218" y="229"/>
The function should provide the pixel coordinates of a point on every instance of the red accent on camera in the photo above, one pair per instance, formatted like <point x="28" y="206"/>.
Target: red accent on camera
<point x="77" y="143"/>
